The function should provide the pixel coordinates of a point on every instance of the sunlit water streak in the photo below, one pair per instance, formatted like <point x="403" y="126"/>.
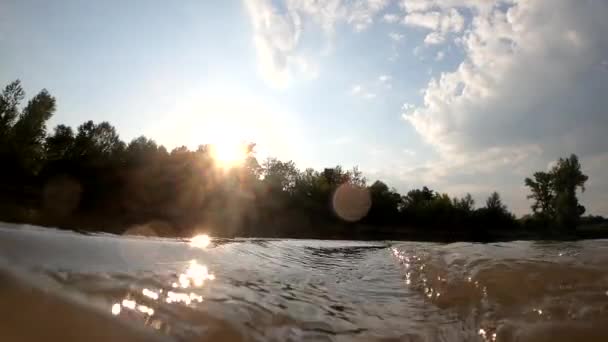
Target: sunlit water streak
<point x="127" y="288"/>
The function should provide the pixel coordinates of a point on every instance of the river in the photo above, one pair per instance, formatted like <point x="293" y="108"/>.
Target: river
<point x="65" y="286"/>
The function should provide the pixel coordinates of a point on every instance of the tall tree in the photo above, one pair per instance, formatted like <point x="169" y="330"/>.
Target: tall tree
<point x="98" y="141"/>
<point x="280" y="175"/>
<point x="29" y="132"/>
<point x="60" y="143"/>
<point x="542" y="188"/>
<point x="466" y="204"/>
<point x="494" y="203"/>
<point x="567" y="179"/>
<point x="419" y="198"/>
<point x="11" y="97"/>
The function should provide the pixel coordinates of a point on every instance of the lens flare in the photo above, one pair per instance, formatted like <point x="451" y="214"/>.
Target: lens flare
<point x="200" y="241"/>
<point x="351" y="203"/>
<point x="229" y="154"/>
<point x="116" y="308"/>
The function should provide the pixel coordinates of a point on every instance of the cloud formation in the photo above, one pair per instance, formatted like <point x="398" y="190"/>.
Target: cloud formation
<point x="277" y="32"/>
<point x="531" y="87"/>
<point x="440" y="22"/>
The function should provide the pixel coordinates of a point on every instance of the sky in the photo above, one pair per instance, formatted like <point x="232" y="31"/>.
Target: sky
<point x="460" y="95"/>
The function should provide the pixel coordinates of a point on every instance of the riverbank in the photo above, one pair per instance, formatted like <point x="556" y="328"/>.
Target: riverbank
<point x="294" y="227"/>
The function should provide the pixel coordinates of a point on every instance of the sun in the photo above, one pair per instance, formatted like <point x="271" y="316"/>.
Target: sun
<point x="229" y="154"/>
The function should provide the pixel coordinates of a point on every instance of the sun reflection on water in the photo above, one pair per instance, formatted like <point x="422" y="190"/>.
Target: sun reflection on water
<point x="116" y="308"/>
<point x="194" y="276"/>
<point x="200" y="241"/>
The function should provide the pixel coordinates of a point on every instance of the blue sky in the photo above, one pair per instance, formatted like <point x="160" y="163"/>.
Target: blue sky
<point x="461" y="95"/>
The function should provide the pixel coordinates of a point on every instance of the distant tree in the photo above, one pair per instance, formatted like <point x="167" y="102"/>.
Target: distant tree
<point x="385" y="203"/>
<point x="554" y="192"/>
<point x="11" y="97"/>
<point x="98" y="141"/>
<point x="142" y="150"/>
<point x="29" y="132"/>
<point x="280" y="175"/>
<point x="466" y="204"/>
<point x="252" y="167"/>
<point x="568" y="178"/>
<point x="542" y="188"/>
<point x="494" y="203"/>
<point x="419" y="198"/>
<point x="355" y="177"/>
<point x="60" y="143"/>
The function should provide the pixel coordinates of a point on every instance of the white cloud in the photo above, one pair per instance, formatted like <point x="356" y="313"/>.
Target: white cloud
<point x="361" y="13"/>
<point x="482" y="6"/>
<point x="391" y="18"/>
<point x="429" y="20"/>
<point x="527" y="91"/>
<point x="396" y="36"/>
<point x="276" y="37"/>
<point x="440" y="56"/>
<point x="434" y="38"/>
<point x="369" y="96"/>
<point x="356" y="89"/>
<point x="441" y="23"/>
<point x="277" y="32"/>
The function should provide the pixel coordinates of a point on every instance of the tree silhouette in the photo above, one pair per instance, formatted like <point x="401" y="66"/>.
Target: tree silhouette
<point x="554" y="192"/>
<point x="466" y="204"/>
<point x="494" y="203"/>
<point x="89" y="178"/>
<point x="29" y="131"/>
<point x="11" y="97"/>
<point x="542" y="189"/>
<point x="568" y="177"/>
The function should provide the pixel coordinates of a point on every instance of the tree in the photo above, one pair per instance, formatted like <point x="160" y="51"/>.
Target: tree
<point x="60" y="144"/>
<point x="11" y="97"/>
<point x="280" y="175"/>
<point x="554" y="192"/>
<point x="494" y="203"/>
<point x="542" y="188"/>
<point x="385" y="203"/>
<point x="97" y="142"/>
<point x="567" y="179"/>
<point x="29" y="132"/>
<point x="418" y="198"/>
<point x="466" y="204"/>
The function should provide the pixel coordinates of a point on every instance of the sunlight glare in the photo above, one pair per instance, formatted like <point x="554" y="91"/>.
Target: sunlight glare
<point x="200" y="241"/>
<point x="228" y="154"/>
<point x="116" y="308"/>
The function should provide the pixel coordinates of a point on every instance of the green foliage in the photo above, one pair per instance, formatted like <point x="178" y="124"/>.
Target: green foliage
<point x="568" y="177"/>
<point x="29" y="131"/>
<point x="554" y="193"/>
<point x="280" y="176"/>
<point x="11" y="97"/>
<point x="494" y="203"/>
<point x="97" y="142"/>
<point x="465" y="204"/>
<point x="542" y="193"/>
<point x="59" y="145"/>
<point x="90" y="177"/>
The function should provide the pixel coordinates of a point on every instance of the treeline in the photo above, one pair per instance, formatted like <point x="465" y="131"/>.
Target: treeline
<point x="89" y="179"/>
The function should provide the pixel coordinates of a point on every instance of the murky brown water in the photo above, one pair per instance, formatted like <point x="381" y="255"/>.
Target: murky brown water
<point x="64" y="286"/>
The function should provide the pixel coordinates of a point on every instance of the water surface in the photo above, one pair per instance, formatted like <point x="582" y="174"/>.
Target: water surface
<point x="58" y="285"/>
